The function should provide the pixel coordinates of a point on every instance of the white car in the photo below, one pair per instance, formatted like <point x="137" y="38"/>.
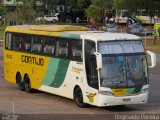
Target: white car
<point x="49" y="18"/>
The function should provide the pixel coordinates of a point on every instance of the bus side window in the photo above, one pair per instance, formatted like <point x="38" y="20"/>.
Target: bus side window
<point x="75" y="50"/>
<point x="49" y="46"/>
<point x="16" y="42"/>
<point x="8" y="44"/>
<point x="63" y="49"/>
<point x="27" y="43"/>
<point x="36" y="45"/>
<point x="90" y="64"/>
<point x="23" y="43"/>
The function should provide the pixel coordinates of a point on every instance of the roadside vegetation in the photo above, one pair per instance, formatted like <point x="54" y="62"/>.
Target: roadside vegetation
<point x="2" y="28"/>
<point x="150" y="45"/>
<point x="1" y="35"/>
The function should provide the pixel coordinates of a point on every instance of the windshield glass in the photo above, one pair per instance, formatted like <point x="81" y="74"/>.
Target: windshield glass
<point x="122" y="71"/>
<point x="123" y="64"/>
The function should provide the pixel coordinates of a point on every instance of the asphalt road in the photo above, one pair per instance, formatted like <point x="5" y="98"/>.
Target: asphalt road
<point x="44" y="106"/>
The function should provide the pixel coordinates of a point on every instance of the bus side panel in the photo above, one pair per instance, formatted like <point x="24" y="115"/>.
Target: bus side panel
<point x="62" y="76"/>
<point x="15" y="62"/>
<point x="9" y="66"/>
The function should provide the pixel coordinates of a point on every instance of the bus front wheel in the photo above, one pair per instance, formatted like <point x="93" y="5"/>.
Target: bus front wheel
<point x="78" y="98"/>
<point x="20" y="82"/>
<point x="27" y="84"/>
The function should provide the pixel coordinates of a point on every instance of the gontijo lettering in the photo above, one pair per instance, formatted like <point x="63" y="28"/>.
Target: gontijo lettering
<point x="32" y="60"/>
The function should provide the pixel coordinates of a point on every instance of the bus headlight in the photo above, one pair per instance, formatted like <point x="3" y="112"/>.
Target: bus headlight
<point x="144" y="90"/>
<point x="105" y="93"/>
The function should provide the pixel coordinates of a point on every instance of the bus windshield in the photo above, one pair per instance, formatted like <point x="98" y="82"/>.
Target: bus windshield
<point x="123" y="69"/>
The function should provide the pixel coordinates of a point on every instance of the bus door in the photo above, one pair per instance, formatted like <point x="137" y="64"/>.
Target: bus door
<point x="91" y="72"/>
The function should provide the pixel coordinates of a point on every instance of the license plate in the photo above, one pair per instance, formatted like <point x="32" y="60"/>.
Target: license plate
<point x="126" y="99"/>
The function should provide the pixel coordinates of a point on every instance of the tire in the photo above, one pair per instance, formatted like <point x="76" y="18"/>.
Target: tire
<point x="78" y="98"/>
<point x="20" y="82"/>
<point x="27" y="84"/>
<point x="54" y="20"/>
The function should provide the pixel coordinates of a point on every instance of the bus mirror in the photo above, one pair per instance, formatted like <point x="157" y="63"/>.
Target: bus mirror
<point x="153" y="59"/>
<point x="99" y="60"/>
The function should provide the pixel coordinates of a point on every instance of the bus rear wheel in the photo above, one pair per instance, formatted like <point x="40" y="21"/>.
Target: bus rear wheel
<point x="78" y="98"/>
<point x="20" y="82"/>
<point x="27" y="84"/>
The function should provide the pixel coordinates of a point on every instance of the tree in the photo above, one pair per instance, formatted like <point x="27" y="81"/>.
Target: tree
<point x="3" y="11"/>
<point x="93" y="12"/>
<point x="102" y="6"/>
<point x="26" y="12"/>
<point x="69" y="9"/>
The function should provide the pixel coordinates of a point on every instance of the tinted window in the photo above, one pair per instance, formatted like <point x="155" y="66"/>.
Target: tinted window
<point x="16" y="42"/>
<point x="75" y="50"/>
<point x="8" y="41"/>
<point x="37" y="44"/>
<point x="49" y="45"/>
<point x="62" y="46"/>
<point x="26" y="43"/>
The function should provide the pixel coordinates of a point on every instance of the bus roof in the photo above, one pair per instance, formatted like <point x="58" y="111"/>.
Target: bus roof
<point x="104" y="36"/>
<point x="70" y="31"/>
<point x="48" y="28"/>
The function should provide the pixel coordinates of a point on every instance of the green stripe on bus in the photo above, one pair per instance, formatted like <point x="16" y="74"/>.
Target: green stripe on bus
<point x="131" y="90"/>
<point x="51" y="71"/>
<point x="55" y="73"/>
<point x="70" y="35"/>
<point x="137" y="89"/>
<point x="60" y="74"/>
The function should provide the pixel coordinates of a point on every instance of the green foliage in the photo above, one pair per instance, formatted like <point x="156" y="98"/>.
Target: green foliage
<point x="3" y="11"/>
<point x="134" y="5"/>
<point x="94" y="12"/>
<point x="1" y="35"/>
<point x="103" y="4"/>
<point x="26" y="12"/>
<point x="72" y="7"/>
<point x="98" y="8"/>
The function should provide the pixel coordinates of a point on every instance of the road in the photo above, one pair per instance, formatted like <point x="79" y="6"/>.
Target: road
<point x="40" y="105"/>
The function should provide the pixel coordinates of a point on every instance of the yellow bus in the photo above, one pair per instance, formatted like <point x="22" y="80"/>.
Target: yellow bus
<point x="90" y="67"/>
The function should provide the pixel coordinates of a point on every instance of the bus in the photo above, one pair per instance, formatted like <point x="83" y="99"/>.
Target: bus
<point x="91" y="67"/>
<point x="140" y="17"/>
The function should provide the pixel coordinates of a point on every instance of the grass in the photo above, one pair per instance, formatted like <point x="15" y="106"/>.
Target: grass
<point x="150" y="45"/>
<point x="1" y="35"/>
<point x="2" y="28"/>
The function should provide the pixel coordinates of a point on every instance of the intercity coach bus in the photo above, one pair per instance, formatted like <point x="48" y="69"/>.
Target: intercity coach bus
<point x="90" y="67"/>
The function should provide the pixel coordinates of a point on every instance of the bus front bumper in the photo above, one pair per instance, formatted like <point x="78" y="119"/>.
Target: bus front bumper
<point x="124" y="100"/>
